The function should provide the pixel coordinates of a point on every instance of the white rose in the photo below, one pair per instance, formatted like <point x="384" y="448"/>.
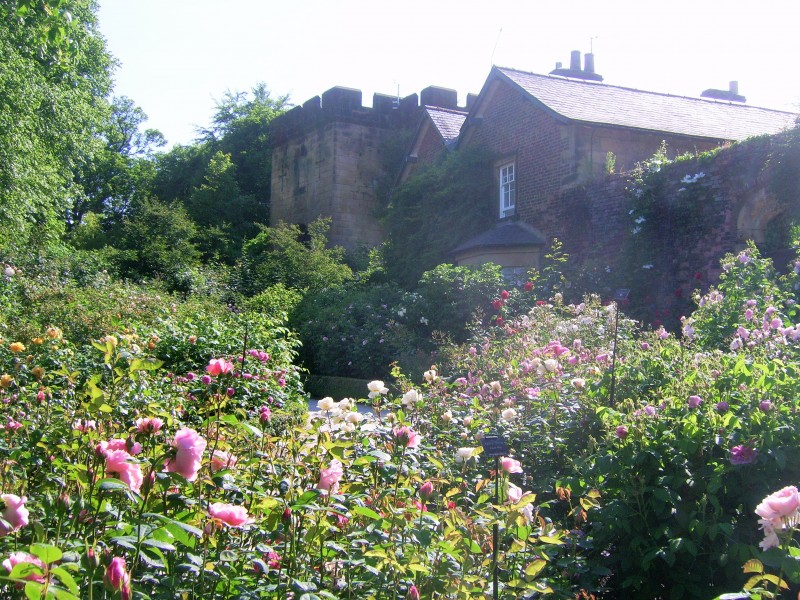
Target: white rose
<point x="377" y="387"/>
<point x="410" y="398"/>
<point x="464" y="454"/>
<point x="326" y="404"/>
<point x="508" y="414"/>
<point x="354" y="418"/>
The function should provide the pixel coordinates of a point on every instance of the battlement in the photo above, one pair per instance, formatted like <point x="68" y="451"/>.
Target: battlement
<point x="342" y="104"/>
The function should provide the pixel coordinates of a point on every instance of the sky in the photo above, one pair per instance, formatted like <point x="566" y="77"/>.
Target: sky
<point x="177" y="58"/>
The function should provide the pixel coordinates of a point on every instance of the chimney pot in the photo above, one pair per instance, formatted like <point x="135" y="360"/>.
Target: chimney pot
<point x="588" y="62"/>
<point x="558" y="65"/>
<point x="734" y="88"/>
<point x="575" y="60"/>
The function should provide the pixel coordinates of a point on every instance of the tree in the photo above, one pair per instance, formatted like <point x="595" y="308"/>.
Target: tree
<point x="118" y="169"/>
<point x="158" y="242"/>
<point x="224" y="178"/>
<point x="297" y="259"/>
<point x="55" y="77"/>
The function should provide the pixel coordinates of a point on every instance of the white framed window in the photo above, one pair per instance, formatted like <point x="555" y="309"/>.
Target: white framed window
<point x="508" y="191"/>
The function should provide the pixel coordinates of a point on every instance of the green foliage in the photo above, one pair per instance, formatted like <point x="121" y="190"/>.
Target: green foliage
<point x="116" y="172"/>
<point x="749" y="294"/>
<point x="435" y="211"/>
<point x="157" y="241"/>
<point x="355" y="331"/>
<point x="224" y="216"/>
<point x="360" y="329"/>
<point x="299" y="260"/>
<point x="451" y="298"/>
<point x="55" y="76"/>
<point x="275" y="300"/>
<point x="224" y="178"/>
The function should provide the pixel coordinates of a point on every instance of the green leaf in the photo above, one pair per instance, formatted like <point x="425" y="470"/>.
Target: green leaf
<point x="33" y="590"/>
<point x="46" y="553"/>
<point x="146" y="364"/>
<point x="533" y="569"/>
<point x="306" y="498"/>
<point x="753" y="566"/>
<point x="366" y="512"/>
<point x="159" y="544"/>
<point x="66" y="579"/>
<point x="112" y="484"/>
<point x="548" y="539"/>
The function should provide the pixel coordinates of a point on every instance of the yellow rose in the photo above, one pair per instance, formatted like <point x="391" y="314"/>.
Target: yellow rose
<point x="6" y="380"/>
<point x="16" y="347"/>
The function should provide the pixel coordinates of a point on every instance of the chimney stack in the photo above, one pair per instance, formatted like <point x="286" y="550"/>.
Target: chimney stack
<point x="575" y="71"/>
<point x="588" y="62"/>
<point x="575" y="60"/>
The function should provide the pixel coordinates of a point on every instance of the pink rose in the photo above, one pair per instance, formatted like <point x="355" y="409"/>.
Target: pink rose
<point x="14" y="513"/>
<point x="426" y="490"/>
<point x="622" y="432"/>
<point x="783" y="503"/>
<point x="222" y="460"/>
<point x="189" y="447"/>
<point x="117" y="577"/>
<point x="132" y="448"/>
<point x="407" y="437"/>
<point x="150" y="425"/>
<point x="514" y="493"/>
<point x="18" y="558"/>
<point x="743" y="455"/>
<point x="118" y="463"/>
<point x="509" y="465"/>
<point x="329" y="478"/>
<point x="413" y="593"/>
<point x="219" y="366"/>
<point x="230" y="515"/>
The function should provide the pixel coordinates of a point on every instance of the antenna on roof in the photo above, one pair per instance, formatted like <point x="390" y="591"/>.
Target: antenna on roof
<point x="497" y="41"/>
<point x="591" y="40"/>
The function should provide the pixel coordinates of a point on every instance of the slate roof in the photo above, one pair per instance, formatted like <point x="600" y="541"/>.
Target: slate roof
<point x="448" y="122"/>
<point x="504" y="235"/>
<point x="593" y="102"/>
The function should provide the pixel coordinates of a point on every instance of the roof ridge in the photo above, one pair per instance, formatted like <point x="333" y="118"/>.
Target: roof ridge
<point x="737" y="105"/>
<point x="457" y="111"/>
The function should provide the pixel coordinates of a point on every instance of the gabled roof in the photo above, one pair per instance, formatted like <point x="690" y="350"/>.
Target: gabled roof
<point x="599" y="103"/>
<point x="447" y="121"/>
<point x="506" y="234"/>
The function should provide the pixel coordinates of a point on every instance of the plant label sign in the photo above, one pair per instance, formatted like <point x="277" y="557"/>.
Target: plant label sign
<point x="494" y="445"/>
<point x="621" y="294"/>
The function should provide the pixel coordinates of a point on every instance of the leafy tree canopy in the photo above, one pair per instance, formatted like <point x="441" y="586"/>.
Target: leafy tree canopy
<point x="298" y="259"/>
<point x="55" y="76"/>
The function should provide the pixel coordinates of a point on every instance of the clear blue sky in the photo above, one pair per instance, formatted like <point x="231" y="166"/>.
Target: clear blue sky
<point x="178" y="56"/>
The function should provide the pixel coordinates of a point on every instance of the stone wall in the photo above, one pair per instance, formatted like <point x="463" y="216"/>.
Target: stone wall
<point x="704" y="208"/>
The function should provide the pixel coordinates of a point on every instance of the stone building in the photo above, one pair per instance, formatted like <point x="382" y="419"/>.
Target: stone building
<point x="331" y="156"/>
<point x="548" y="134"/>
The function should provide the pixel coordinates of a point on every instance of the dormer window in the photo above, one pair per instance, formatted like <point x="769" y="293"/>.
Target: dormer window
<point x="508" y="193"/>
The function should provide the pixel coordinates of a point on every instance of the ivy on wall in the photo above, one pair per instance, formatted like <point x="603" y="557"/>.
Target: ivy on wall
<point x="435" y="211"/>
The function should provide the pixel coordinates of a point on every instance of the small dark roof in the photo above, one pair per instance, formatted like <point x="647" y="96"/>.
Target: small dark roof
<point x="505" y="234"/>
<point x="594" y="102"/>
<point x="448" y="122"/>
